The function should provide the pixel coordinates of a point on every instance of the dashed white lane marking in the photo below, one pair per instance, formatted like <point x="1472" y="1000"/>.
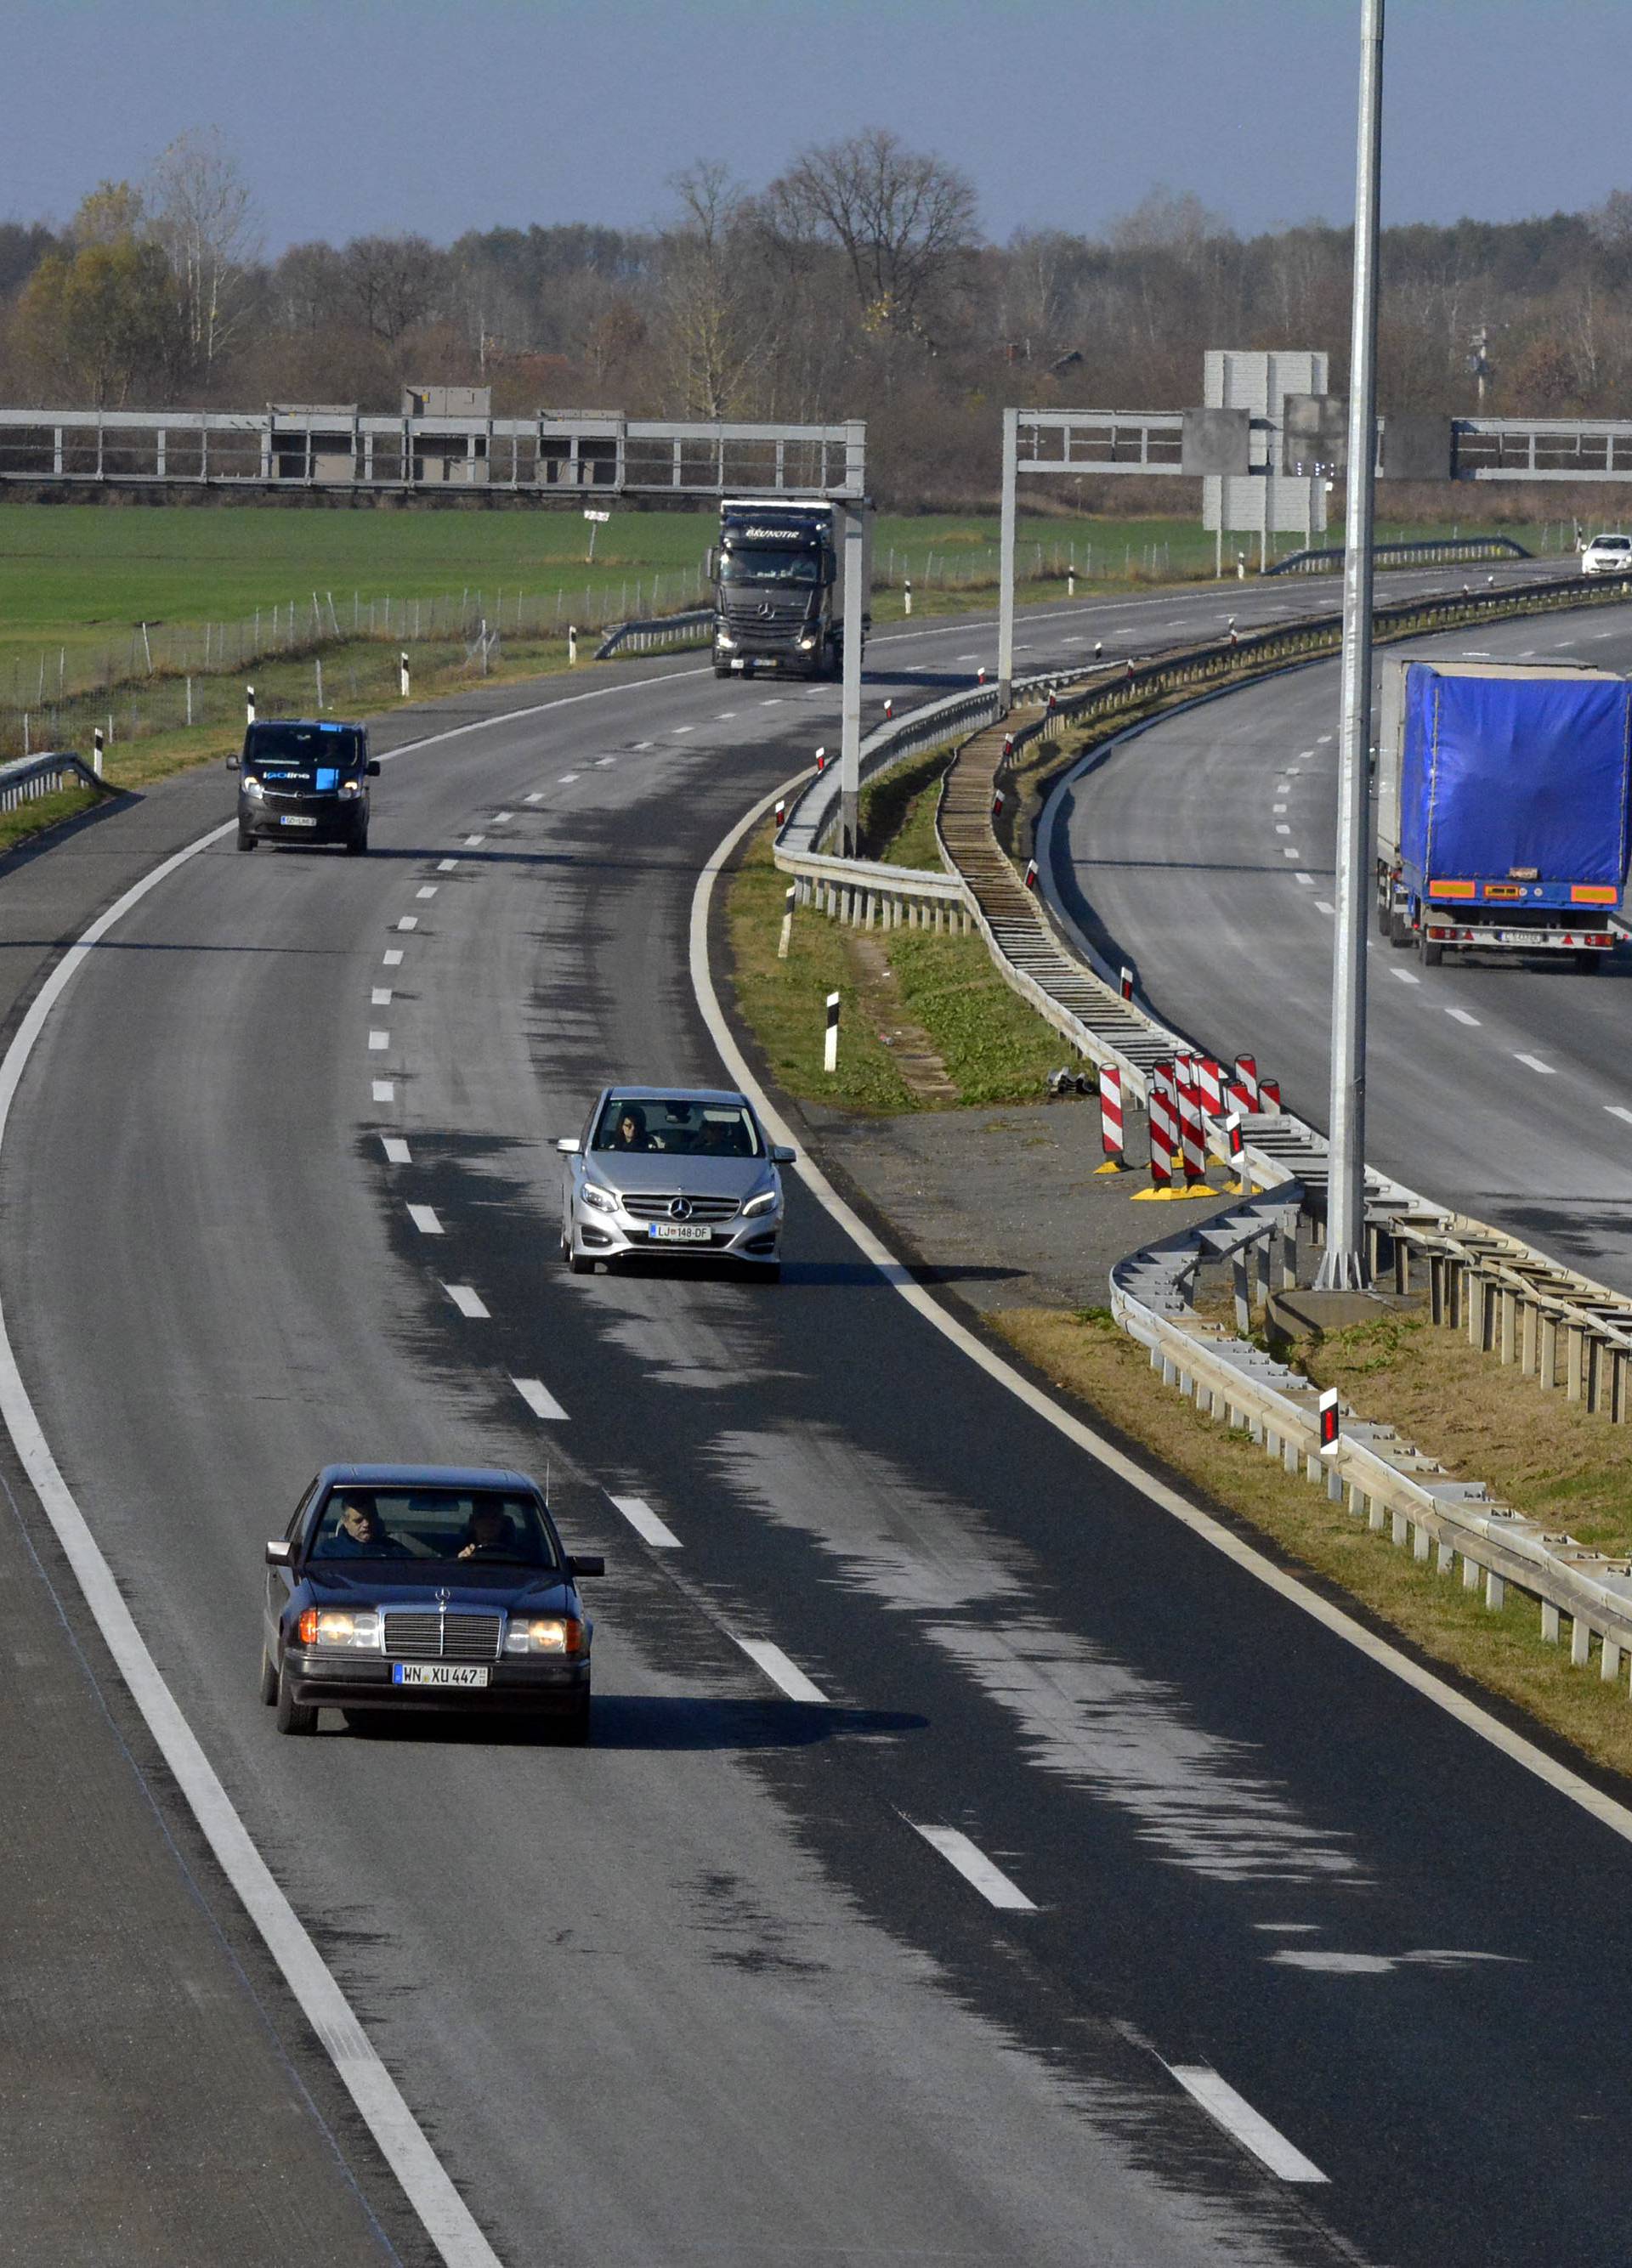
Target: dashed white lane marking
<point x="640" y="745"/>
<point x="724" y="718"/>
<point x="396" y="1150"/>
<point x="1287" y="852"/>
<point x="771" y="701"/>
<point x="1077" y="641"/>
<point x="1462" y="1015"/>
<point x="1534" y="1062"/>
<point x="646" y="1522"/>
<point x="424" y="1219"/>
<point x="379" y="1042"/>
<point x="1324" y="740"/>
<point x="975" y="1868"/>
<point x="1619" y="1110"/>
<point x="445" y="866"/>
<point x="466" y="1300"/>
<point x="1277" y="807"/>
<point x="538" y="1397"/>
<point x="409" y="921"/>
<point x="1235" y="2114"/>
<point x="380" y="996"/>
<point x="567" y="778"/>
<point x="1404" y="976"/>
<point x="1322" y="907"/>
<point x="603" y="763"/>
<point x="966" y="656"/>
<point x="780" y="1670"/>
<point x="475" y="841"/>
<point x="427" y="889"/>
<point x="394" y="958"/>
<point x="385" y="1090"/>
<point x="537" y="796"/>
<point x="1283" y="828"/>
<point x="1308" y="880"/>
<point x="499" y="818"/>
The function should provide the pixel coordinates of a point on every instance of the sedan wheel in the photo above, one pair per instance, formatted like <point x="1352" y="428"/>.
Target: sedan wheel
<point x="297" y="1717"/>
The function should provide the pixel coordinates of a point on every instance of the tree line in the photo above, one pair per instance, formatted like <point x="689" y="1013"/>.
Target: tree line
<point x="858" y="283"/>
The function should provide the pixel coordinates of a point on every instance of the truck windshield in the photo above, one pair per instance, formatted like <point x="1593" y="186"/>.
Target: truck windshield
<point x="765" y="564"/>
<point x="303" y="749"/>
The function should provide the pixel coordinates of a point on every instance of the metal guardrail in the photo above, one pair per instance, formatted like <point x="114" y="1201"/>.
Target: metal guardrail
<point x="26" y="778"/>
<point x="1384" y="1478"/>
<point x="1446" y="551"/>
<point x="696" y="627"/>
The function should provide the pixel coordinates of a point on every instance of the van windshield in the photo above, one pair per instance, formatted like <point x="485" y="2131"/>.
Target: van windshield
<point x="301" y="751"/>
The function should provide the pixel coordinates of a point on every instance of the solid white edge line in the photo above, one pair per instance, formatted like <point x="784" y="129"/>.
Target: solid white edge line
<point x="646" y="1522"/>
<point x="976" y="1869"/>
<point x="779" y="1669"/>
<point x="447" y="2218"/>
<point x="1235" y="2114"/>
<point x="538" y="1397"/>
<point x="1605" y="1808"/>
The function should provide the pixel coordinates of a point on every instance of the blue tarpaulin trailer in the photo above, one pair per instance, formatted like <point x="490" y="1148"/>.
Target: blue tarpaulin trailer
<point x="1504" y="799"/>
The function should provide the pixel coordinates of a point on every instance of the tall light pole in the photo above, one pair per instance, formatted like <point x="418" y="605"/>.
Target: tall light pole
<point x="1343" y="1264"/>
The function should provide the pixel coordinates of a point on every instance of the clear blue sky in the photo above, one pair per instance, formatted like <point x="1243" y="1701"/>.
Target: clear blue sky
<point x="359" y="115"/>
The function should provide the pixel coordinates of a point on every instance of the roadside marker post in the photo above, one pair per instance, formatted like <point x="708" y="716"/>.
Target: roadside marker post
<point x="1031" y="874"/>
<point x="1331" y="1427"/>
<point x="890" y="710"/>
<point x="909" y="597"/>
<point x="821" y="760"/>
<point x="787" y="938"/>
<point x="401" y="665"/>
<point x="781" y="813"/>
<point x="1269" y="1097"/>
<point x="1246" y="1078"/>
<point x="829" y="1048"/>
<point x="997" y="803"/>
<point x="1162" y="1104"/>
<point x="1238" y="1187"/>
<point x="96" y="752"/>
<point x="1112" y="1139"/>
<point x="250" y="704"/>
<point x="1127" y="984"/>
<point x="572" y="644"/>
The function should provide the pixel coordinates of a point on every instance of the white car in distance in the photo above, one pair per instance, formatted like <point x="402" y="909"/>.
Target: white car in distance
<point x="1608" y="554"/>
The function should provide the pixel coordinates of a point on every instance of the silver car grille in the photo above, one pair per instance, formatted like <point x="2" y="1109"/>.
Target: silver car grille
<point x="442" y="1637"/>
<point x="662" y="1208"/>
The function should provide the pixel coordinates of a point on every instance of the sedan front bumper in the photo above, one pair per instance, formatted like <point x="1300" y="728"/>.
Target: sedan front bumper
<point x="350" y="1681"/>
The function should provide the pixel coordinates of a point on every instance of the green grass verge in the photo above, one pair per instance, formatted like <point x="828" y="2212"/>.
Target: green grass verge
<point x="45" y="811"/>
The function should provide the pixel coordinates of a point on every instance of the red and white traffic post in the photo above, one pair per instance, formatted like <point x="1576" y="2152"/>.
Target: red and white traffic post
<point x="1112" y="1136"/>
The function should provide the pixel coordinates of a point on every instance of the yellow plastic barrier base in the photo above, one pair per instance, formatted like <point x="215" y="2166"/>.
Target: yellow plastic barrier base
<point x="1114" y="1165"/>
<point x="1173" y="1191"/>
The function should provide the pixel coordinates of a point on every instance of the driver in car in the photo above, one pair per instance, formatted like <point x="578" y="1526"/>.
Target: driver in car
<point x="361" y="1533"/>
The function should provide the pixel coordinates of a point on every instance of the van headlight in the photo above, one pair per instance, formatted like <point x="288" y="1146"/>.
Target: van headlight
<point x="253" y="788"/>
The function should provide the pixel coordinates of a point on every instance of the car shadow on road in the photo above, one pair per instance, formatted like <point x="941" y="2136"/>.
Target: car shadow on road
<point x="655" y="1722"/>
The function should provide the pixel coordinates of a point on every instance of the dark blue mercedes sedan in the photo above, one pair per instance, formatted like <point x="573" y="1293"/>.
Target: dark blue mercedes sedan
<point x="424" y="1586"/>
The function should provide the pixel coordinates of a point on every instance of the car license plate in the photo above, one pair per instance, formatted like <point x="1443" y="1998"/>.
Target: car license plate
<point x="287" y="819"/>
<point x="437" y="1673"/>
<point x="676" y="1232"/>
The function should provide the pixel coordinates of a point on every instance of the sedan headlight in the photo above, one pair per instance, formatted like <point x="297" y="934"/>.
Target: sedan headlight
<point x="550" y="1634"/>
<point x="353" y="1626"/>
<point x="762" y="1203"/>
<point x="598" y="1200"/>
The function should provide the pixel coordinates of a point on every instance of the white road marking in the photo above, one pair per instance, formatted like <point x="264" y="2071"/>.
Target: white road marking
<point x="640" y="745"/>
<point x="427" y="889"/>
<point x="1235" y="2114"/>
<point x="1277" y="807"/>
<point x="1462" y="1015"/>
<point x="379" y="1042"/>
<point x="682" y="728"/>
<point x="466" y="1300"/>
<point x="381" y="997"/>
<point x="1283" y="828"/>
<point x="966" y="656"/>
<point x="646" y="1522"/>
<point x="475" y="841"/>
<point x="724" y="718"/>
<point x="409" y="921"/>
<point x="1404" y="976"/>
<point x="1287" y="852"/>
<point x="394" y="958"/>
<point x="1322" y="907"/>
<point x="567" y="778"/>
<point x="1619" y="1110"/>
<point x="424" y="1219"/>
<point x="536" y="796"/>
<point x="499" y="818"/>
<point x="445" y="866"/>
<point x="538" y="1397"/>
<point x="1534" y="1062"/>
<point x="1308" y="880"/>
<point x="1324" y="740"/>
<point x="975" y="1868"/>
<point x="771" y="701"/>
<point x="1077" y="641"/>
<point x="396" y="1150"/>
<point x="603" y="762"/>
<point x="385" y="1090"/>
<point x="780" y="1670"/>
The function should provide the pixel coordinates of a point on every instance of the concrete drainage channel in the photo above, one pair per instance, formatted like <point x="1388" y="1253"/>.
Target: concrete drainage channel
<point x="1514" y="1302"/>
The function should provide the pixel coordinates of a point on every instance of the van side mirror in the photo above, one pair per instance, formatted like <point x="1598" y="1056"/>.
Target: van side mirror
<point x="232" y="763"/>
<point x="280" y="1552"/>
<point x="373" y="768"/>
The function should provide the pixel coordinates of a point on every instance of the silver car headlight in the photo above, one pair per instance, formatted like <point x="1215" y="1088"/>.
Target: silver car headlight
<point x="597" y="1199"/>
<point x="765" y="1202"/>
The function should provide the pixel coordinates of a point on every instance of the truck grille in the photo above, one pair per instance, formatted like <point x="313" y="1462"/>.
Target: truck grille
<point x="657" y="1208"/>
<point x="442" y="1637"/>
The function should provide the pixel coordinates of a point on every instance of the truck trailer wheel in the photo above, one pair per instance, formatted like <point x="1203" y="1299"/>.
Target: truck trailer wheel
<point x="1400" y="930"/>
<point x="1432" y="955"/>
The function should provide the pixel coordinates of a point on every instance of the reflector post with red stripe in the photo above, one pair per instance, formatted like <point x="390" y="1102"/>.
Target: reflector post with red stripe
<point x="1269" y="1096"/>
<point x="1127" y="984"/>
<point x="1112" y="1136"/>
<point x="1030" y="873"/>
<point x="1330" y="1430"/>
<point x="1192" y="1133"/>
<point x="1163" y="1102"/>
<point x="1247" y="1078"/>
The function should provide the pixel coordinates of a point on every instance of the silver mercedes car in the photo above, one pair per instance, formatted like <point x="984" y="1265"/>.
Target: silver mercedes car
<point x="682" y="1170"/>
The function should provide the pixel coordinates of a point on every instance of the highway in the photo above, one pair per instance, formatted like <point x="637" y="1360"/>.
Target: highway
<point x="954" y="1811"/>
<point x="1201" y="851"/>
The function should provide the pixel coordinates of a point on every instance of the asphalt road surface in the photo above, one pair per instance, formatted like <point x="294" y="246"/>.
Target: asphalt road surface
<point x="956" y="1817"/>
<point x="1201" y="851"/>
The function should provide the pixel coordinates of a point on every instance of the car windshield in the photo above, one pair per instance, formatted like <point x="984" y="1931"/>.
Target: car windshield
<point x="305" y="752"/>
<point x="483" y="1524"/>
<point x="1612" y="542"/>
<point x="678" y="1126"/>
<point x="766" y="563"/>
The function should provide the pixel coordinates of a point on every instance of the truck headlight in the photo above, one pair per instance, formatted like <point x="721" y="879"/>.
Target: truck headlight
<point x="724" y="638"/>
<point x="598" y="1200"/>
<point x="354" y="1626"/>
<point x="805" y="645"/>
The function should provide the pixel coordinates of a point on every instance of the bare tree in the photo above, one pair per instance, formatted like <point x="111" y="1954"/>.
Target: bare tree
<point x="717" y="337"/>
<point x="201" y="212"/>
<point x="394" y="282"/>
<point x="903" y="221"/>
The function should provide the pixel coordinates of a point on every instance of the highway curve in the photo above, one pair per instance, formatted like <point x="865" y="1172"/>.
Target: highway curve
<point x="709" y="1991"/>
<point x="1202" y="851"/>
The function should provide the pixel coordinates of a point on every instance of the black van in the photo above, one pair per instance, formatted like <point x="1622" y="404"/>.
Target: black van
<point x="300" y="782"/>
